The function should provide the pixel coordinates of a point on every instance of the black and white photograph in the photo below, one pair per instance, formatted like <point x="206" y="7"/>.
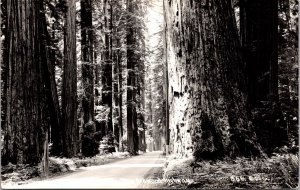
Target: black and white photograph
<point x="149" y="94"/>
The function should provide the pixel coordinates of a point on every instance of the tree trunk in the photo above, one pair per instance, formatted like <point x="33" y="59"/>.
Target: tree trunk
<point x="166" y="83"/>
<point x="259" y="37"/>
<point x="52" y="95"/>
<point x="69" y="91"/>
<point x="26" y="118"/>
<point x="130" y="80"/>
<point x="207" y="94"/>
<point x="120" y="100"/>
<point x="107" y="68"/>
<point x="115" y="59"/>
<point x="45" y="159"/>
<point x="3" y="61"/>
<point x="259" y="33"/>
<point x="87" y="60"/>
<point x="118" y="87"/>
<point x="87" y="72"/>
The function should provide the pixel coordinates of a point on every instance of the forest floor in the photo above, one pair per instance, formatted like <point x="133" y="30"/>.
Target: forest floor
<point x="278" y="171"/>
<point x="23" y="174"/>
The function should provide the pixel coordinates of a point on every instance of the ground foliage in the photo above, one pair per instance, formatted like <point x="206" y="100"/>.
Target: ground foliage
<point x="89" y="142"/>
<point x="24" y="173"/>
<point x="278" y="171"/>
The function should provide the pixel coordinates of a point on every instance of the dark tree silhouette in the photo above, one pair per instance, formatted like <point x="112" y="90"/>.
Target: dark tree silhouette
<point x="69" y="91"/>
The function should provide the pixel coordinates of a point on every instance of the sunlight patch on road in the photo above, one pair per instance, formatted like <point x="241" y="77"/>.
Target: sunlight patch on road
<point x="133" y="166"/>
<point x="147" y="159"/>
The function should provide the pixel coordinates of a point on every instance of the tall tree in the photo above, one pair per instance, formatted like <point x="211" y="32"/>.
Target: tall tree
<point x="88" y="80"/>
<point x="259" y="34"/>
<point x="131" y="111"/>
<point x="288" y="66"/>
<point x="87" y="60"/>
<point x="140" y="51"/>
<point x="259" y="37"/>
<point x="115" y="64"/>
<point x="117" y="35"/>
<point x="26" y="119"/>
<point x="207" y="94"/>
<point x="120" y="99"/>
<point x="135" y="68"/>
<point x="166" y="83"/>
<point x="69" y="91"/>
<point x="3" y="54"/>
<point x="106" y="76"/>
<point x="51" y="85"/>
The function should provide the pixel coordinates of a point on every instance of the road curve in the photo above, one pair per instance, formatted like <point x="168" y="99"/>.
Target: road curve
<point x="127" y="173"/>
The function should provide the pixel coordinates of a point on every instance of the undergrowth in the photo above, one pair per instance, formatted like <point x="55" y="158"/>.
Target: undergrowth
<point x="278" y="171"/>
<point x="22" y="173"/>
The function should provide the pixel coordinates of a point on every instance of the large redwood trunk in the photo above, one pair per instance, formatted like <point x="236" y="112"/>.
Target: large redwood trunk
<point x="26" y="119"/>
<point x="87" y="60"/>
<point x="69" y="91"/>
<point x="207" y="95"/>
<point x="131" y="110"/>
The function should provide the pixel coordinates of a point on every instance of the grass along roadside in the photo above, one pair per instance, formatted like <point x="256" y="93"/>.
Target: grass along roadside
<point x="278" y="171"/>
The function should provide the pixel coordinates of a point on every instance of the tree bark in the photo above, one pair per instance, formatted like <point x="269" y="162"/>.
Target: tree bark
<point x="87" y="59"/>
<point x="120" y="102"/>
<point x="3" y="60"/>
<point x="130" y="80"/>
<point x="87" y="69"/>
<point x="166" y="83"/>
<point x="52" y="94"/>
<point x="106" y="76"/>
<point x="26" y="118"/>
<point x="208" y="99"/>
<point x="115" y="44"/>
<point x="69" y="91"/>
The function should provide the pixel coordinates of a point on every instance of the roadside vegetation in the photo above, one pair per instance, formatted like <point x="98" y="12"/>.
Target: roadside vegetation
<point x="24" y="173"/>
<point x="277" y="172"/>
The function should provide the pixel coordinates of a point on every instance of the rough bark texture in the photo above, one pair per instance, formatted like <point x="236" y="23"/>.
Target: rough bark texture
<point x="166" y="83"/>
<point x="87" y="60"/>
<point x="207" y="94"/>
<point x="140" y="98"/>
<point x="3" y="61"/>
<point x="107" y="66"/>
<point x="69" y="91"/>
<point x="116" y="60"/>
<point x="26" y="111"/>
<point x="87" y="79"/>
<point x="52" y="92"/>
<point x="131" y="91"/>
<point x="118" y="37"/>
<point x="119" y="96"/>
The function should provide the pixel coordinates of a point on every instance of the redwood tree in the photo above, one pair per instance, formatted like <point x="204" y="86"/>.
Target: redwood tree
<point x="130" y="79"/>
<point x="207" y="94"/>
<point x="259" y="37"/>
<point x="26" y="119"/>
<point x="106" y="75"/>
<point x="69" y="90"/>
<point x="87" y="60"/>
